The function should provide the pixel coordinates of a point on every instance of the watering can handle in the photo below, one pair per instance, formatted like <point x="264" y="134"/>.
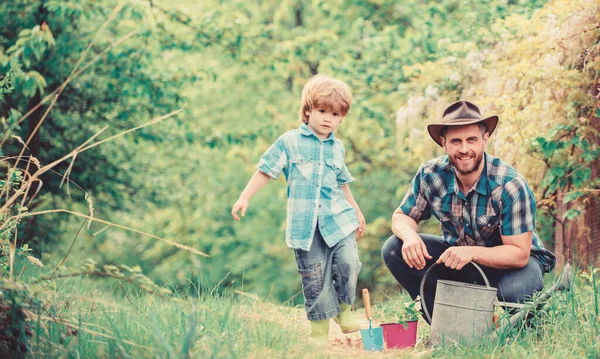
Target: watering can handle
<point x="367" y="302"/>
<point x="424" y="306"/>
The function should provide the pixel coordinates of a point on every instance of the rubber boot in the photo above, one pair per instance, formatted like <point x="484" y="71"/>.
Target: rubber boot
<point x="346" y="319"/>
<point x="319" y="332"/>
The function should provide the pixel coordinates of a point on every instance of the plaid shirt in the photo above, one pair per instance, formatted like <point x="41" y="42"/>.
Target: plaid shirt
<point x="501" y="203"/>
<point x="314" y="170"/>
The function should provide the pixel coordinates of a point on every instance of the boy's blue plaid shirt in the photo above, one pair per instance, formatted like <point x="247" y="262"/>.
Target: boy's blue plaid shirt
<point x="314" y="170"/>
<point x="501" y="202"/>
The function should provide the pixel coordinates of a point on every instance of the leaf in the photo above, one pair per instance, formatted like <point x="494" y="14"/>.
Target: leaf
<point x="571" y="214"/>
<point x="569" y="197"/>
<point x="35" y="261"/>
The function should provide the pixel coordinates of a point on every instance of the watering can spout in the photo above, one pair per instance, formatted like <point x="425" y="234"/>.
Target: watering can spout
<point x="564" y="282"/>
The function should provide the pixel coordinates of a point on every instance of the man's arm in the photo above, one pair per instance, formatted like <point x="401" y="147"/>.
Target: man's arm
<point x="512" y="254"/>
<point x="257" y="182"/>
<point x="414" y="251"/>
<point x="361" y="219"/>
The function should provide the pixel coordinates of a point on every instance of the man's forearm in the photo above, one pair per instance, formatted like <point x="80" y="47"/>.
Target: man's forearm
<point x="505" y="256"/>
<point x="403" y="226"/>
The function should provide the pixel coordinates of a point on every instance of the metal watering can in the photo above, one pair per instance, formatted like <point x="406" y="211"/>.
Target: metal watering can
<point x="462" y="311"/>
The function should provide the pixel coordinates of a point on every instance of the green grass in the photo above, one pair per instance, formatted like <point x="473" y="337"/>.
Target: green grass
<point x="83" y="320"/>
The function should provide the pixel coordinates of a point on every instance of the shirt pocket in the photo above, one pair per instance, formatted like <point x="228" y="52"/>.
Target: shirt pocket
<point x="332" y="170"/>
<point x="441" y="210"/>
<point x="487" y="225"/>
<point x="300" y="168"/>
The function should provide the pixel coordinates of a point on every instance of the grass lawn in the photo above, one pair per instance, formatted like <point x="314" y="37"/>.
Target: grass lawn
<point x="84" y="318"/>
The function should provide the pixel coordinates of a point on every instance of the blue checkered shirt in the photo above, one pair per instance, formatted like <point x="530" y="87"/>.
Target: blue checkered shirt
<point x="315" y="171"/>
<point x="500" y="203"/>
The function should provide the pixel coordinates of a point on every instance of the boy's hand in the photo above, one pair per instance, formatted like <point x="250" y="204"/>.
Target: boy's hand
<point x="240" y="205"/>
<point x="361" y="224"/>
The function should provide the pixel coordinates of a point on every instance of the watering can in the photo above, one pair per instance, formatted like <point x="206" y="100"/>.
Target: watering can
<point x="372" y="338"/>
<point x="462" y="311"/>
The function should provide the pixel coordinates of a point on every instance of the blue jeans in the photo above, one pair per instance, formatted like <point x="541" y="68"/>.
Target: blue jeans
<point x="514" y="285"/>
<point x="329" y="275"/>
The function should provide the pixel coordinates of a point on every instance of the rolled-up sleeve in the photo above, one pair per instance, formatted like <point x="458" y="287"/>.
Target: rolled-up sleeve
<point x="415" y="204"/>
<point x="274" y="160"/>
<point x="344" y="177"/>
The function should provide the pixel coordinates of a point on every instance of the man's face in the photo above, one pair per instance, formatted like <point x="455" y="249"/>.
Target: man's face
<point x="464" y="146"/>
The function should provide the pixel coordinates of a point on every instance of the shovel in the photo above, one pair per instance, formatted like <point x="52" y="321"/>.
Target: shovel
<point x="372" y="338"/>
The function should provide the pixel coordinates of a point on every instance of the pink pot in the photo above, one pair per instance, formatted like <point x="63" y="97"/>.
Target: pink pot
<point x="397" y="336"/>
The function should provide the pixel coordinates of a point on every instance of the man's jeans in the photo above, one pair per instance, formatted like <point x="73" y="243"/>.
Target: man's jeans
<point x="514" y="285"/>
<point x="329" y="275"/>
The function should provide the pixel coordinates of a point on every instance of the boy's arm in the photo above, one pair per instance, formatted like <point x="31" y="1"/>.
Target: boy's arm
<point x="361" y="219"/>
<point x="257" y="182"/>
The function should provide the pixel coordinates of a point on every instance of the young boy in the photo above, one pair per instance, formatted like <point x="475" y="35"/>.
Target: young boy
<point x="323" y="219"/>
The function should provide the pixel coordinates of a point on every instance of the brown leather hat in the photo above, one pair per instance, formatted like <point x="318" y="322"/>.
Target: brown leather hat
<point x="461" y="113"/>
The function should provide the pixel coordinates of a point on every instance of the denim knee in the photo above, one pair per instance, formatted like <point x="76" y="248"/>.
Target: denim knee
<point x="392" y="250"/>
<point x="312" y="282"/>
<point x="519" y="285"/>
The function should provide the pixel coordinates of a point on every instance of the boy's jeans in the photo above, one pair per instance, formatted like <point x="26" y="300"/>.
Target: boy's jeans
<point x="514" y="285"/>
<point x="329" y="275"/>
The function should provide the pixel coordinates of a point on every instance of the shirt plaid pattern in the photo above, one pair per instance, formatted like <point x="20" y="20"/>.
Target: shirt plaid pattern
<point x="500" y="203"/>
<point x="314" y="170"/>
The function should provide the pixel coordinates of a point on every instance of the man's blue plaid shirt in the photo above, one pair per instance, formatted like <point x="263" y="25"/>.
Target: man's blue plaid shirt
<point x="500" y="203"/>
<point x="315" y="171"/>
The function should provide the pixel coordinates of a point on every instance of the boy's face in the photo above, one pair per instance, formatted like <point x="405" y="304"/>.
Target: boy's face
<point x="323" y="121"/>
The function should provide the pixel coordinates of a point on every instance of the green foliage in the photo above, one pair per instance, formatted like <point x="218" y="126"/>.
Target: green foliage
<point x="397" y="311"/>
<point x="569" y="152"/>
<point x="15" y="304"/>
<point x="122" y="88"/>
<point x="239" y="67"/>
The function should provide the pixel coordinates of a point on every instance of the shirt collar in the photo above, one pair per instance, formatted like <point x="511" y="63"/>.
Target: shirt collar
<point x="482" y="182"/>
<point x="306" y="131"/>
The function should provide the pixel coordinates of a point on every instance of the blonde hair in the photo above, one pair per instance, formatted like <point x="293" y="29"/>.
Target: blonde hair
<point x="326" y="92"/>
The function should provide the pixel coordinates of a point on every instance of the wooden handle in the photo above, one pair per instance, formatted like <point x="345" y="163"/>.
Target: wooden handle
<point x="367" y="302"/>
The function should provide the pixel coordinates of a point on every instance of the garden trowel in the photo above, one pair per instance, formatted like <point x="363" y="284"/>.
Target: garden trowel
<point x="372" y="338"/>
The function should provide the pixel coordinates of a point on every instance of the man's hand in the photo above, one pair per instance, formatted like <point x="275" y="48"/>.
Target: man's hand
<point x="414" y="252"/>
<point x="362" y="223"/>
<point x="240" y="205"/>
<point x="457" y="257"/>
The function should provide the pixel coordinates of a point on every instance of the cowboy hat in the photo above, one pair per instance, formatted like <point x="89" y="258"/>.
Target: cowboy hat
<point x="461" y="113"/>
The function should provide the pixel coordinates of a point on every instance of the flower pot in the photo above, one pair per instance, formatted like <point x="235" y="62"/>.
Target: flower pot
<point x="398" y="336"/>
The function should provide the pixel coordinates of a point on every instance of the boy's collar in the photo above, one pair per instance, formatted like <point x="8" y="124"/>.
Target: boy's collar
<point x="306" y="131"/>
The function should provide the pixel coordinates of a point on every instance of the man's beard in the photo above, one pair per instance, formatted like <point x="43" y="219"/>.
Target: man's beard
<point x="466" y="171"/>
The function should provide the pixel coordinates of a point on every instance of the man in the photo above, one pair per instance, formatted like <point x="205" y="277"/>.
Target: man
<point x="486" y="211"/>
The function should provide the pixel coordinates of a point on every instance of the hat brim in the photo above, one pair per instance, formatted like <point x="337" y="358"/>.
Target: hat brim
<point x="435" y="129"/>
